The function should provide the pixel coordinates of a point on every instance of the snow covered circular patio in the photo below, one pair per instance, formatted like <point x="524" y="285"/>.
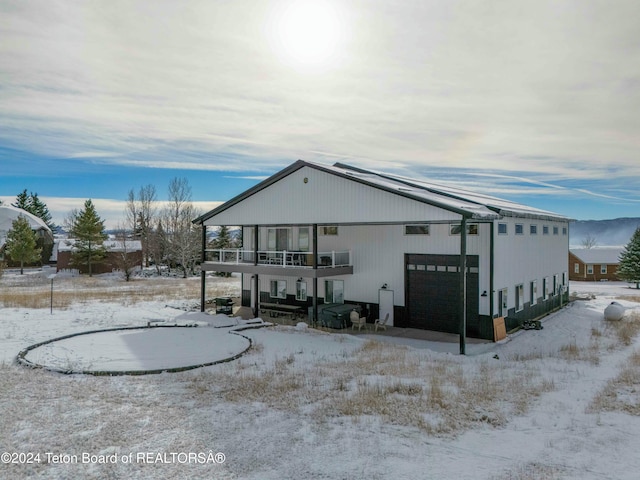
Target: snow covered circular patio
<point x="141" y="350"/>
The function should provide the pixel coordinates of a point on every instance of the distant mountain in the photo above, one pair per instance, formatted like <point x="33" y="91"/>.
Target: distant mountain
<point x="605" y="232"/>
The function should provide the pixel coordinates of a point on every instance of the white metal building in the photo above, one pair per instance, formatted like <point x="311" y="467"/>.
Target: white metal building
<point x="432" y="256"/>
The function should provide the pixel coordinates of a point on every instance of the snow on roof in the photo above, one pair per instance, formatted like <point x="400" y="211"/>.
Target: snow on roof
<point x="67" y="245"/>
<point x="598" y="255"/>
<point x="9" y="214"/>
<point x="480" y="205"/>
<point x="416" y="191"/>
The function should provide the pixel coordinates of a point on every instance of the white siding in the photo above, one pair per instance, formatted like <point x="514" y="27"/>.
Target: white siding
<point x="378" y="258"/>
<point x="326" y="199"/>
<point x="519" y="259"/>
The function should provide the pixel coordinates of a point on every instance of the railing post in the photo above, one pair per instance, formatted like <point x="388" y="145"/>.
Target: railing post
<point x="284" y="258"/>
<point x="237" y="256"/>
<point x="333" y="258"/>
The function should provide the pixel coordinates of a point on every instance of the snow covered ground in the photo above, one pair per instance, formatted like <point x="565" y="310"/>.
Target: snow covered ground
<point x="562" y="402"/>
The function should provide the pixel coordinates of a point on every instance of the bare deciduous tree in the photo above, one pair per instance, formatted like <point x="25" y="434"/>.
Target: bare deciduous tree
<point x="182" y="237"/>
<point x="589" y="241"/>
<point x="124" y="255"/>
<point x="141" y="213"/>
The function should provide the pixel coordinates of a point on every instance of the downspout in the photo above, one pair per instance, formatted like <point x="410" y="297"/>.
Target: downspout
<point x="202" y="271"/>
<point x="463" y="285"/>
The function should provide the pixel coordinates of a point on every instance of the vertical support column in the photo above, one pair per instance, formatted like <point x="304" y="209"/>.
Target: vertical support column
<point x="256" y="238"/>
<point x="203" y="282"/>
<point x="256" y="282"/>
<point x="463" y="285"/>
<point x="492" y="256"/>
<point x="315" y="274"/>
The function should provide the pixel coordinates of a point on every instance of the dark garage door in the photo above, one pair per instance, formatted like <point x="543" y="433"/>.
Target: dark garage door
<point x="433" y="292"/>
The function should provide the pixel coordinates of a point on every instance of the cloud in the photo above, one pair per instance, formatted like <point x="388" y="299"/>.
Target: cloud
<point x="543" y="90"/>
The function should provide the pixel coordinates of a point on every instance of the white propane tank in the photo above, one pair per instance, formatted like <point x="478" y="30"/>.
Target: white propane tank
<point x="614" y="312"/>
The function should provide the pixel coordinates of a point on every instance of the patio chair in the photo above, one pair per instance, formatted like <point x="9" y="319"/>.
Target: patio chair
<point x="357" y="320"/>
<point x="381" y="324"/>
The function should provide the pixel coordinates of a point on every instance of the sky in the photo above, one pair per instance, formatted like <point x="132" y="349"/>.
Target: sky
<point x="533" y="101"/>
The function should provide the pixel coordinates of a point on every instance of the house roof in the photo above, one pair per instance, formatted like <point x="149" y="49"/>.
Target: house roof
<point x="9" y="214"/>
<point x="598" y="255"/>
<point x="468" y="204"/>
<point x="67" y="245"/>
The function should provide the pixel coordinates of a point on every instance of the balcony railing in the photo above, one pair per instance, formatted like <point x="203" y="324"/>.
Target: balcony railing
<point x="284" y="259"/>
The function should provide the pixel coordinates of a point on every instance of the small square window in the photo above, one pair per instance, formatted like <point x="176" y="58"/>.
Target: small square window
<point x="328" y="230"/>
<point x="555" y="230"/>
<point x="533" y="229"/>
<point x="502" y="229"/>
<point x="519" y="229"/>
<point x="416" y="229"/>
<point x="545" y="229"/>
<point x="564" y="230"/>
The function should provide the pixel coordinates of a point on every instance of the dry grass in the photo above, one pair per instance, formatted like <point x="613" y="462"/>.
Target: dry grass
<point x="573" y="352"/>
<point x="626" y="329"/>
<point x="398" y="385"/>
<point x="36" y="293"/>
<point x="622" y="393"/>
<point x="533" y="471"/>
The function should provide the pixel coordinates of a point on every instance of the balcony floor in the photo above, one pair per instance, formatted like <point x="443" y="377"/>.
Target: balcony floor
<point x="268" y="269"/>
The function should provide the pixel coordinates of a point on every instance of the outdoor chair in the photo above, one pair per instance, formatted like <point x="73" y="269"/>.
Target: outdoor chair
<point x="381" y="324"/>
<point x="357" y="320"/>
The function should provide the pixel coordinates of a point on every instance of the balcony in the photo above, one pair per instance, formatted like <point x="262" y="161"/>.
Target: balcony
<point x="278" y="262"/>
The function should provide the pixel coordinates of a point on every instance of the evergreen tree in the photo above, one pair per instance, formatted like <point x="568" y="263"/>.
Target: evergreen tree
<point x="629" y="267"/>
<point x="21" y="243"/>
<point x="223" y="241"/>
<point x="87" y="230"/>
<point x="32" y="204"/>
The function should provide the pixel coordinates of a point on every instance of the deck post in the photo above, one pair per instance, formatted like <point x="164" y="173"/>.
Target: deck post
<point x="203" y="285"/>
<point x="256" y="286"/>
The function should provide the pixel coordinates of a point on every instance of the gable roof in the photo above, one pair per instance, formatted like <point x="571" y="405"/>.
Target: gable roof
<point x="467" y="204"/>
<point x="598" y="255"/>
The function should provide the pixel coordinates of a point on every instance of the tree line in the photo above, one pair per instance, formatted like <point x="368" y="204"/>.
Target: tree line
<point x="165" y="230"/>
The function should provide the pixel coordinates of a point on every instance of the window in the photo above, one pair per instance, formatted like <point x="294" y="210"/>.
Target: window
<point x="502" y="229"/>
<point x="564" y="231"/>
<point x="576" y="268"/>
<point x="545" y="288"/>
<point x="533" y="229"/>
<point x="556" y="284"/>
<point x="303" y="239"/>
<point x="278" y="289"/>
<point x="603" y="269"/>
<point x="301" y="290"/>
<point x="555" y="230"/>
<point x="416" y="229"/>
<point x="519" y="229"/>
<point x="333" y="291"/>
<point x="589" y="269"/>
<point x="545" y="229"/>
<point x="328" y="230"/>
<point x="278" y="239"/>
<point x="472" y="229"/>
<point x="519" y="298"/>
<point x="534" y="292"/>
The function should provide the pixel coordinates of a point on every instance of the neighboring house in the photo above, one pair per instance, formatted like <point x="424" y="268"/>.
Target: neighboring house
<point x="112" y="262"/>
<point x="594" y="264"/>
<point x="316" y="234"/>
<point x="9" y="214"/>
